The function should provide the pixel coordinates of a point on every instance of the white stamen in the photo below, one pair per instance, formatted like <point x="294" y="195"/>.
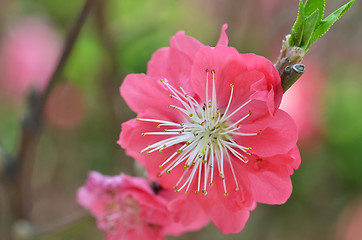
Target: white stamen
<point x="205" y="138"/>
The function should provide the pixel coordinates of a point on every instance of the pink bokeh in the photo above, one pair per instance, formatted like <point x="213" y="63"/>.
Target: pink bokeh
<point x="29" y="52"/>
<point x="303" y="101"/>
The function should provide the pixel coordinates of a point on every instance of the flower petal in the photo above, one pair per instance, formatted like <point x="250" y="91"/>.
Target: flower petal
<point x="224" y="219"/>
<point x="185" y="44"/>
<point x="173" y="65"/>
<point x="223" y="64"/>
<point x="223" y="40"/>
<point x="187" y="213"/>
<point x="261" y="64"/>
<point x="138" y="89"/>
<point x="278" y="138"/>
<point x="270" y="183"/>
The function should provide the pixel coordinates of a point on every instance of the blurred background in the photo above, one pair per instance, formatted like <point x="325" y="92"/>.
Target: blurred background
<point x="84" y="112"/>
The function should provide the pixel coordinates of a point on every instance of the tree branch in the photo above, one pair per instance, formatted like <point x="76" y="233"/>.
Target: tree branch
<point x="19" y="183"/>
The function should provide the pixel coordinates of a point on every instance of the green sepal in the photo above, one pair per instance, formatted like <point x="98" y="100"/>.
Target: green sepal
<point x="311" y="5"/>
<point x="325" y="24"/>
<point x="310" y="23"/>
<point x="297" y="29"/>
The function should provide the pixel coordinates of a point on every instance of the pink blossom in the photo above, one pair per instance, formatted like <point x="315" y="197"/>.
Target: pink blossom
<point x="208" y="122"/>
<point x="29" y="52"/>
<point x="127" y="208"/>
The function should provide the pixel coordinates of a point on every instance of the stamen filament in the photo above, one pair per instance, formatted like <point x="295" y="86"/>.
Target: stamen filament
<point x="206" y="136"/>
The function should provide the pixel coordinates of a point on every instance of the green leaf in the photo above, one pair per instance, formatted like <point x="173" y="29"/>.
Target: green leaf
<point x="311" y="5"/>
<point x="326" y="23"/>
<point x="310" y="23"/>
<point x="297" y="29"/>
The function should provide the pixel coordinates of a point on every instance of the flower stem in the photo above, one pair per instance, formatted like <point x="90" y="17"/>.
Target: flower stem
<point x="288" y="64"/>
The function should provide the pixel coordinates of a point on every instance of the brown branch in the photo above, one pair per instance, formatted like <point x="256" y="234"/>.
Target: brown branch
<point x="71" y="39"/>
<point x="62" y="223"/>
<point x="19" y="183"/>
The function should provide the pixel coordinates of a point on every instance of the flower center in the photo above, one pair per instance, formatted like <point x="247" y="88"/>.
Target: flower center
<point x="206" y="136"/>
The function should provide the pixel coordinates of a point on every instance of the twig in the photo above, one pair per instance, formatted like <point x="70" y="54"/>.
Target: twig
<point x="288" y="64"/>
<point x="32" y="125"/>
<point x="62" y="223"/>
<point x="71" y="39"/>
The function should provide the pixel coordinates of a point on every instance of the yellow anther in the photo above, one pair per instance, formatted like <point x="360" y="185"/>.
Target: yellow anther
<point x="204" y="161"/>
<point x="176" y="191"/>
<point x="226" y="194"/>
<point x="168" y="171"/>
<point x="175" y="108"/>
<point x="193" y="163"/>
<point x="186" y="166"/>
<point x="179" y="151"/>
<point x="210" y="184"/>
<point x="203" y="191"/>
<point x="196" y="191"/>
<point x="143" y="134"/>
<point x="161" y="80"/>
<point x="187" y="143"/>
<point x="165" y="130"/>
<point x="249" y="148"/>
<point x="175" y="187"/>
<point x="203" y="151"/>
<point x="140" y="152"/>
<point x="169" y="106"/>
<point x="160" y="151"/>
<point x="231" y="85"/>
<point x="207" y="70"/>
<point x="186" y="192"/>
<point x="147" y="152"/>
<point x="164" y="146"/>
<point x="210" y="166"/>
<point x="220" y="174"/>
<point x="170" y="95"/>
<point x="209" y="101"/>
<point x="137" y="119"/>
<point x="209" y="106"/>
<point x="191" y="115"/>
<point x="160" y="166"/>
<point x="158" y="126"/>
